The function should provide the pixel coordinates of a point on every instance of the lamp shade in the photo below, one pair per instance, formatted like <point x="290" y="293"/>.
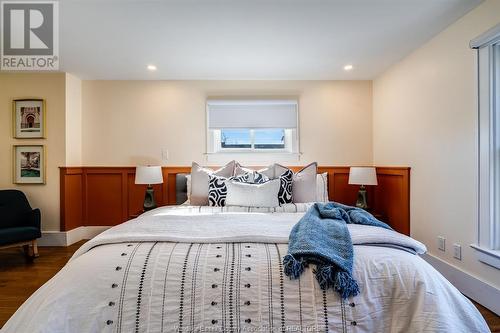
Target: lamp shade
<point x="148" y="175"/>
<point x="363" y="176"/>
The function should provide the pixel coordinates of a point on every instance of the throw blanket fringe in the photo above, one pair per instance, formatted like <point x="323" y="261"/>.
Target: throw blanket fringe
<point x="327" y="276"/>
<point x="292" y="267"/>
<point x="321" y="237"/>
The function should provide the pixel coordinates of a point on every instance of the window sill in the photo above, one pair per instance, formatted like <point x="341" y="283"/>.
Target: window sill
<point x="253" y="157"/>
<point x="487" y="256"/>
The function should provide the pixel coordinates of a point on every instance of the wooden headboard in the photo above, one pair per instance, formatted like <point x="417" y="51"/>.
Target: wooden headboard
<point x="103" y="196"/>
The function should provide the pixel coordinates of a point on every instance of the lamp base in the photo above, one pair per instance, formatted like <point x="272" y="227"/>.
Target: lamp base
<point x="149" y="199"/>
<point x="361" y="201"/>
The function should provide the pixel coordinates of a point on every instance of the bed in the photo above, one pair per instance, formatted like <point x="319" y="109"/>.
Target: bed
<point x="195" y="269"/>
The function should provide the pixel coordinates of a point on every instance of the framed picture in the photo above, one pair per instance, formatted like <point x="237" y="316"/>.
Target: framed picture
<point x="29" y="164"/>
<point x="29" y="118"/>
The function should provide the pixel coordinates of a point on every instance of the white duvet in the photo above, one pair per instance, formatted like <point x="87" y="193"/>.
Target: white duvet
<point x="198" y="269"/>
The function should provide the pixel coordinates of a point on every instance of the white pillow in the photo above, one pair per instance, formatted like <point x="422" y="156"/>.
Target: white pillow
<point x="253" y="195"/>
<point x="322" y="187"/>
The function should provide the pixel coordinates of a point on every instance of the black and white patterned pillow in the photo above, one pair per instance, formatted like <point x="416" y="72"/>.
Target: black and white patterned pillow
<point x="243" y="178"/>
<point x="259" y="178"/>
<point x="217" y="189"/>
<point x="253" y="177"/>
<point x="285" y="192"/>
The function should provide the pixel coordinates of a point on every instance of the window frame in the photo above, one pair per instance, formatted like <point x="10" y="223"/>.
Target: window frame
<point x="488" y="140"/>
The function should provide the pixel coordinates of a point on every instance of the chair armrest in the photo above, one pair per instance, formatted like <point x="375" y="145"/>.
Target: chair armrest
<point x="34" y="219"/>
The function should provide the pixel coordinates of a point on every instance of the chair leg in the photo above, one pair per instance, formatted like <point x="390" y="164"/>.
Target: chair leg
<point x="26" y="249"/>
<point x="34" y="248"/>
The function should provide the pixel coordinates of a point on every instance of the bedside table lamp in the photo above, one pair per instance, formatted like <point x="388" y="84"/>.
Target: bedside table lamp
<point x="362" y="176"/>
<point x="148" y="175"/>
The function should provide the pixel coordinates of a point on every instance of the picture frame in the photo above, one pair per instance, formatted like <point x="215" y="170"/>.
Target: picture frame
<point x="29" y="164"/>
<point x="29" y="118"/>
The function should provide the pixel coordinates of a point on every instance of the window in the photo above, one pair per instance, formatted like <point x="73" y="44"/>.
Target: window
<point x="252" y="139"/>
<point x="269" y="138"/>
<point x="488" y="65"/>
<point x="235" y="139"/>
<point x="252" y="129"/>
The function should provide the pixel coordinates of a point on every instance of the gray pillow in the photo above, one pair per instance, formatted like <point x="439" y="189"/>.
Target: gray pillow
<point x="269" y="172"/>
<point x="304" y="182"/>
<point x="199" y="181"/>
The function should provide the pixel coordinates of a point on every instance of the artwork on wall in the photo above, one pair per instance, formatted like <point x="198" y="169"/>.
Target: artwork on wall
<point x="29" y="118"/>
<point x="29" y="164"/>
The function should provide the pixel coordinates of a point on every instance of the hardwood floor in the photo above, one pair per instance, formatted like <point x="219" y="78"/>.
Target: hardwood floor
<point x="492" y="319"/>
<point x="20" y="278"/>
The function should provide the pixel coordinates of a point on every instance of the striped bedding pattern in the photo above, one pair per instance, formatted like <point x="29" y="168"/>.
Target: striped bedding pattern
<point x="228" y="287"/>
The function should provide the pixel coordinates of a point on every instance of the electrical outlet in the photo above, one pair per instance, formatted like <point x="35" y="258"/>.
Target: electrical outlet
<point x="441" y="243"/>
<point x="457" y="251"/>
<point x="164" y="154"/>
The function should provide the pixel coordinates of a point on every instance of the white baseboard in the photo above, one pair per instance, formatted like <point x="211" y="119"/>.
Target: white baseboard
<point x="65" y="238"/>
<point x="470" y="286"/>
<point x="53" y="238"/>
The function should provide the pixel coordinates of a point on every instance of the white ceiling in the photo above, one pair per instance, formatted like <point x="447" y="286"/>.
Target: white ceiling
<point x="246" y="39"/>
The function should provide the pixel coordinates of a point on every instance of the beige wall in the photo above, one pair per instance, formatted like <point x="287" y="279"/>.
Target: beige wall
<point x="425" y="116"/>
<point x="51" y="88"/>
<point x="73" y="120"/>
<point x="130" y="122"/>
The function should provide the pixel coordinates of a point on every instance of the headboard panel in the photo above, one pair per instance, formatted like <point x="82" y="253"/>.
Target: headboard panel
<point x="180" y="188"/>
<point x="101" y="196"/>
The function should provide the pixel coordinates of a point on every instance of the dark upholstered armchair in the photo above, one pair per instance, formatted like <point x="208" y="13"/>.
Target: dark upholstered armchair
<point x="19" y="223"/>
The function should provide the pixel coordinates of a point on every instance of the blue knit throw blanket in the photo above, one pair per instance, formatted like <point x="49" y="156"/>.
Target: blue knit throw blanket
<point x="322" y="238"/>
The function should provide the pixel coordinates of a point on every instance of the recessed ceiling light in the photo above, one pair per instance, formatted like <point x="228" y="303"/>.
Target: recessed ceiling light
<point x="348" y="67"/>
<point x="151" y="67"/>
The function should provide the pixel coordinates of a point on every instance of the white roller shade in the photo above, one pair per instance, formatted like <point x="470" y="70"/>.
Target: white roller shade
<point x="252" y="114"/>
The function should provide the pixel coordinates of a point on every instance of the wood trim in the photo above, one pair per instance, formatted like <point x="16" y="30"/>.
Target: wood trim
<point x="98" y="196"/>
<point x="71" y="197"/>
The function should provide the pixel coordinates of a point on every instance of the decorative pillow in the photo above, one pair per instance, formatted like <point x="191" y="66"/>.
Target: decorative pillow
<point x="268" y="171"/>
<point x="253" y="177"/>
<point x="285" y="194"/>
<point x="245" y="178"/>
<point x="199" y="181"/>
<point x="322" y="187"/>
<point x="253" y="195"/>
<point x="304" y="182"/>
<point x="240" y="170"/>
<point x="217" y="189"/>
<point x="259" y="178"/>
